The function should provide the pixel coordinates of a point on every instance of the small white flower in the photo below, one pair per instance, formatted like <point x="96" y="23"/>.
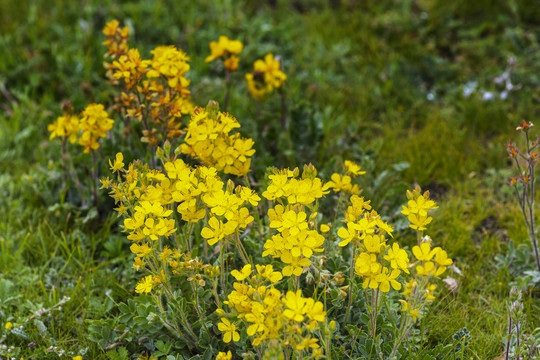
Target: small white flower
<point x="487" y="96"/>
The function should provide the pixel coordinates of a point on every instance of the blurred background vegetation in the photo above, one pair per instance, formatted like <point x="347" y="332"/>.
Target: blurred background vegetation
<point x="408" y="89"/>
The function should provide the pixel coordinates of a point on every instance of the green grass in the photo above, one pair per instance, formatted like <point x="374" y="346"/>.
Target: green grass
<point x="359" y="78"/>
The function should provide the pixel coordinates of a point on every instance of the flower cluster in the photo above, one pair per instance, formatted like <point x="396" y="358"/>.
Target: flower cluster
<point x="227" y="49"/>
<point x="171" y="64"/>
<point x="417" y="209"/>
<point x="66" y="126"/>
<point x="93" y="124"/>
<point x="229" y="214"/>
<point x="130" y="68"/>
<point x="430" y="262"/>
<point x="209" y="139"/>
<point x="183" y="219"/>
<point x="149" y="198"/>
<point x="117" y="38"/>
<point x="271" y="319"/>
<point x="297" y="238"/>
<point x="266" y="76"/>
<point x="378" y="264"/>
<point x="156" y="90"/>
<point x="344" y="182"/>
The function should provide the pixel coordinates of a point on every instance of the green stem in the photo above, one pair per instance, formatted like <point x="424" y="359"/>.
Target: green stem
<point x="222" y="266"/>
<point x="228" y="90"/>
<point x="196" y="295"/>
<point x="351" y="274"/>
<point x="241" y="248"/>
<point x="94" y="179"/>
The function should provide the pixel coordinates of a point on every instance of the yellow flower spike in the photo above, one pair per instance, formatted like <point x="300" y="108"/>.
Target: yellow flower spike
<point x="417" y="209"/>
<point x="130" y="68"/>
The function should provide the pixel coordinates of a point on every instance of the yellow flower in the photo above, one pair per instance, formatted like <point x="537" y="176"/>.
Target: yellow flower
<point x="110" y="28"/>
<point x="172" y="63"/>
<point x="217" y="230"/>
<point x="130" y="68"/>
<point x="441" y="258"/>
<point x="426" y="269"/>
<point x="292" y="221"/>
<point x="229" y="331"/>
<point x="424" y="252"/>
<point x="140" y="251"/>
<point x="145" y="285"/>
<point x="295" y="264"/>
<point x="224" y="356"/>
<point x="94" y="123"/>
<point x="374" y="244"/>
<point x="398" y="258"/>
<point x="268" y="273"/>
<point x="241" y="276"/>
<point x="315" y="310"/>
<point x="353" y="168"/>
<point x="231" y="63"/>
<point x="340" y="183"/>
<point x="118" y="162"/>
<point x="65" y="126"/>
<point x="248" y="195"/>
<point x="295" y="306"/>
<point x="266" y="77"/>
<point x="8" y="325"/>
<point x="417" y="209"/>
<point x="385" y="280"/>
<point x="347" y="234"/>
<point x="224" y="46"/>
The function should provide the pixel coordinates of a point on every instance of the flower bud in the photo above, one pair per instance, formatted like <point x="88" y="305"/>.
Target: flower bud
<point x="332" y="325"/>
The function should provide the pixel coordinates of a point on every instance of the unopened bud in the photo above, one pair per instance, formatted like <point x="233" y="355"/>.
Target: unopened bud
<point x="332" y="325"/>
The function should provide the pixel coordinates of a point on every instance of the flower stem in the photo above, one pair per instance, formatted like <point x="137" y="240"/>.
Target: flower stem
<point x="228" y="90"/>
<point x="351" y="274"/>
